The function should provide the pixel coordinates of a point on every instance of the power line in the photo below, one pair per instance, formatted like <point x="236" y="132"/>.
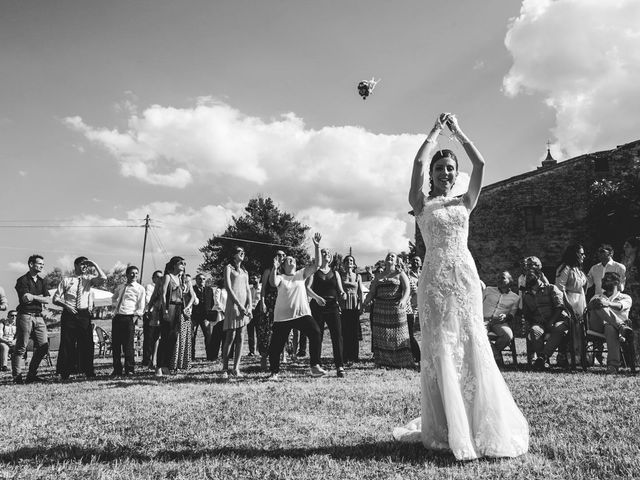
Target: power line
<point x="69" y="226"/>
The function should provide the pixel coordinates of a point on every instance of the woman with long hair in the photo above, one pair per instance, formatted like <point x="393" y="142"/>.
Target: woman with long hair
<point x="351" y="306"/>
<point x="466" y="406"/>
<point x="237" y="313"/>
<point x="171" y="309"/>
<point x="389" y="292"/>
<point x="264" y="326"/>
<point x="571" y="280"/>
<point x="181" y="358"/>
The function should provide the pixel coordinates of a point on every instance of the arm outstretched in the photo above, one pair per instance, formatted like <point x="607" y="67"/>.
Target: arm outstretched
<point x="421" y="167"/>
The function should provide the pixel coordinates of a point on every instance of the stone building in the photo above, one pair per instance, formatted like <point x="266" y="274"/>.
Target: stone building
<point x="541" y="212"/>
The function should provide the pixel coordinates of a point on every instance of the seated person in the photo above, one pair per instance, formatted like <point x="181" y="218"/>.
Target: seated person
<point x="7" y="339"/>
<point x="499" y="305"/>
<point x="545" y="315"/>
<point x="609" y="314"/>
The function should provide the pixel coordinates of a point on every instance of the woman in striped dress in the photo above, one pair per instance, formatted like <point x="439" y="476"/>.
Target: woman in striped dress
<point x="389" y="330"/>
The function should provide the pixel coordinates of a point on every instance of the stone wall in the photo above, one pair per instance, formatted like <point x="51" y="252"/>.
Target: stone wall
<point x="498" y="238"/>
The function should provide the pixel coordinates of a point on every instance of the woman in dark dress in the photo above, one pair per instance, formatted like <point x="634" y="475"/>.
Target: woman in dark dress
<point x="351" y="306"/>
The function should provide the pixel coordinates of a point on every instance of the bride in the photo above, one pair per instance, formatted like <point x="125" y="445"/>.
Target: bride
<point x="466" y="405"/>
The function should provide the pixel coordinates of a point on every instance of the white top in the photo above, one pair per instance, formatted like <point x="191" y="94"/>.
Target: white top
<point x="69" y="288"/>
<point x="622" y="316"/>
<point x="496" y="303"/>
<point x="129" y="299"/>
<point x="292" y="301"/>
<point x="594" y="277"/>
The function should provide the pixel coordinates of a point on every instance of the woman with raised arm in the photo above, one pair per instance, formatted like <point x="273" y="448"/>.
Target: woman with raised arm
<point x="466" y="405"/>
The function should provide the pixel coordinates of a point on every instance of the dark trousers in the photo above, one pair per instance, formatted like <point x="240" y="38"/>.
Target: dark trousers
<point x="169" y="331"/>
<point x="350" y="335"/>
<point x="198" y="319"/>
<point x="29" y="326"/>
<point x="150" y="335"/>
<point x="415" y="348"/>
<point x="280" y="335"/>
<point x="251" y="330"/>
<point x="122" y="336"/>
<point x="76" y="344"/>
<point x="216" y="337"/>
<point x="330" y="315"/>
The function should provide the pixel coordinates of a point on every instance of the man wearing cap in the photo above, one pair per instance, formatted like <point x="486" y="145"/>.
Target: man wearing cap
<point x="545" y="315"/>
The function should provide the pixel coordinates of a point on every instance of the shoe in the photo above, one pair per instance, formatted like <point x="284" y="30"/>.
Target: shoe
<point x="237" y="373"/>
<point x="115" y="374"/>
<point x="274" y="377"/>
<point x="225" y="375"/>
<point x="159" y="373"/>
<point x="293" y="358"/>
<point x="128" y="373"/>
<point x="251" y="354"/>
<point x="539" y="363"/>
<point x="35" y="379"/>
<point x="18" y="380"/>
<point x="4" y="369"/>
<point x="611" y="369"/>
<point x="318" y="371"/>
<point x="340" y="373"/>
<point x="301" y="353"/>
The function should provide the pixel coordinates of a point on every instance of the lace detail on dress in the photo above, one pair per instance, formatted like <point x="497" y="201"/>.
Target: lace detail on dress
<point x="466" y="405"/>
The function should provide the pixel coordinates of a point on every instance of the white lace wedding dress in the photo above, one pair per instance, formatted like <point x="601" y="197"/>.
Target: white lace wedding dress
<point x="466" y="405"/>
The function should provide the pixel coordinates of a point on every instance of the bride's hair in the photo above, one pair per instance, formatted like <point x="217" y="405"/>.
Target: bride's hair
<point x="439" y="155"/>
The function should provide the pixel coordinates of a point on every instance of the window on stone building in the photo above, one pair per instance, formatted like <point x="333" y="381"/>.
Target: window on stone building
<point x="533" y="221"/>
<point x="601" y="165"/>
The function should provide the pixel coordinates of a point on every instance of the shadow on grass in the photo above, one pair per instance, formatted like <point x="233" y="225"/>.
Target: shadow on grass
<point x="386" y="451"/>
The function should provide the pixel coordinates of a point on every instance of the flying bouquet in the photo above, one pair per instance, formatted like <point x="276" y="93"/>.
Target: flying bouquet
<point x="365" y="87"/>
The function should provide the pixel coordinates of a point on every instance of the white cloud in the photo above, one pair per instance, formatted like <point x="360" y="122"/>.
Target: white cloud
<point x="22" y="173"/>
<point x="370" y="237"/>
<point x="18" y="267"/>
<point x="337" y="167"/>
<point x="584" y="57"/>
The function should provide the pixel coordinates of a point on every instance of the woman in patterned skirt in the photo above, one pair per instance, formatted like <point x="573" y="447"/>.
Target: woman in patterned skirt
<point x="237" y="313"/>
<point x="389" y="330"/>
<point x="181" y="358"/>
<point x="264" y="325"/>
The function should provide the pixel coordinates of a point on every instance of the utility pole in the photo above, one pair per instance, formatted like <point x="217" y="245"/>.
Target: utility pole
<point x="350" y="250"/>
<point x="144" y="245"/>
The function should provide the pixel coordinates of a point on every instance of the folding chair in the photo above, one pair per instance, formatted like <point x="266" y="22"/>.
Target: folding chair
<point x="104" y="342"/>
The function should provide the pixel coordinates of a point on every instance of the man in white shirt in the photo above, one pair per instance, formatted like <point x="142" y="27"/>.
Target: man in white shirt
<point x="499" y="305"/>
<point x="607" y="264"/>
<point x="609" y="314"/>
<point x="292" y="311"/>
<point x="129" y="301"/>
<point x="76" y="335"/>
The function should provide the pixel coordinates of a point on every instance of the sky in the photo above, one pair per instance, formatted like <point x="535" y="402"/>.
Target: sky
<point x="110" y="111"/>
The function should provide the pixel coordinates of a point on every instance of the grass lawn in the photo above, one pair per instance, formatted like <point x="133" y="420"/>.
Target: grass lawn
<point x="583" y="426"/>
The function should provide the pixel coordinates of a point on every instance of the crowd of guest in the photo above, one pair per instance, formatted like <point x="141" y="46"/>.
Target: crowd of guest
<point x="285" y="311"/>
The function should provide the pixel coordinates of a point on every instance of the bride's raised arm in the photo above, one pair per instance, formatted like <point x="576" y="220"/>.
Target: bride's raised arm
<point x="421" y="167"/>
<point x="477" y="173"/>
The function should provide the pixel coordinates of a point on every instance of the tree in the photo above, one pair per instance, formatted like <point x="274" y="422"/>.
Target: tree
<point x="262" y="222"/>
<point x="614" y="210"/>
<point x="54" y="277"/>
<point x="115" y="278"/>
